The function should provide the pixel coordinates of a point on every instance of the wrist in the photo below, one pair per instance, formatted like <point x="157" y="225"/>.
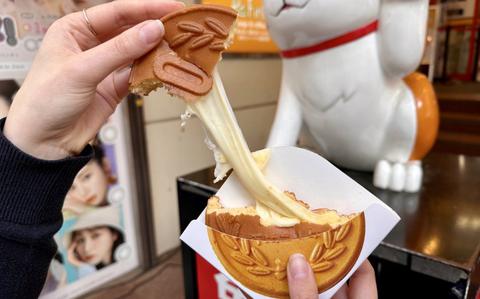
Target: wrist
<point x="40" y="149"/>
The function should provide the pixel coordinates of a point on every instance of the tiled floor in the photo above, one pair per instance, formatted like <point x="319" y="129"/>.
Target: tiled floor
<point x="164" y="281"/>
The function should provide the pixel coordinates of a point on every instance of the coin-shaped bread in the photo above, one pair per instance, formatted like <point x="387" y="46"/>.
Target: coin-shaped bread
<point x="184" y="61"/>
<point x="257" y="256"/>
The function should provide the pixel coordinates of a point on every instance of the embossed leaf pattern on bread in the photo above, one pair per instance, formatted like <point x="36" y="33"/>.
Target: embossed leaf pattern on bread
<point x="261" y="265"/>
<point x="199" y="34"/>
<point x="194" y="39"/>
<point x="257" y="255"/>
<point x="213" y="34"/>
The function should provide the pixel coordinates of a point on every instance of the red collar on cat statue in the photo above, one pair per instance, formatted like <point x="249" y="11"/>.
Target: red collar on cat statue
<point x="333" y="42"/>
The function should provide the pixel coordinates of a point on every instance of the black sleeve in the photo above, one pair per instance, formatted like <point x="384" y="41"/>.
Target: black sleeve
<point x="31" y="198"/>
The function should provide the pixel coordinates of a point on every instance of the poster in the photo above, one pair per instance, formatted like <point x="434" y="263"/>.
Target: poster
<point x="23" y="24"/>
<point x="250" y="32"/>
<point x="97" y="242"/>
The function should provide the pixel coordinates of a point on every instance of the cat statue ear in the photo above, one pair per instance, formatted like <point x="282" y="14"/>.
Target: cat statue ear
<point x="347" y="77"/>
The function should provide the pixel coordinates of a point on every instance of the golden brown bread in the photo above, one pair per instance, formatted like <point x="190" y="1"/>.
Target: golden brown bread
<point x="261" y="265"/>
<point x="245" y="223"/>
<point x="257" y="255"/>
<point x="183" y="63"/>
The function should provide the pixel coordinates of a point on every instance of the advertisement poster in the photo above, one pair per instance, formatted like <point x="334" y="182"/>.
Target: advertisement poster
<point x="250" y="33"/>
<point x="97" y="242"/>
<point x="23" y="24"/>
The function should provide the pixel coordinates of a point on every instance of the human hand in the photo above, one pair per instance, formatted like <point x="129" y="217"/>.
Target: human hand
<point x="72" y="255"/>
<point x="74" y="207"/>
<point x="302" y="285"/>
<point x="361" y="285"/>
<point x="74" y="83"/>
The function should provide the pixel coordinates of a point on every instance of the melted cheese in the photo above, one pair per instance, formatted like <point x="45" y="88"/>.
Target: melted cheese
<point x="273" y="205"/>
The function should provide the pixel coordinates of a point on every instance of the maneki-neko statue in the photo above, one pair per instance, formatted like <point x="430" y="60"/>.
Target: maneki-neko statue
<point x="348" y="76"/>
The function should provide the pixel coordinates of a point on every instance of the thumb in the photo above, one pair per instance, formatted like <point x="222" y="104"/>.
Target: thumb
<point x="121" y="50"/>
<point x="301" y="281"/>
<point x="362" y="284"/>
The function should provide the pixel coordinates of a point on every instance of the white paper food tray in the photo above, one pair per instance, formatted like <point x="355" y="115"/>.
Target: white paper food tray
<point x="314" y="180"/>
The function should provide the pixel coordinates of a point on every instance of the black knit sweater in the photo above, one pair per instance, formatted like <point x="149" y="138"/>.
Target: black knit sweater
<point x="31" y="198"/>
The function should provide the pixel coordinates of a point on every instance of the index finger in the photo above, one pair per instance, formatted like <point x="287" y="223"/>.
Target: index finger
<point x="109" y="17"/>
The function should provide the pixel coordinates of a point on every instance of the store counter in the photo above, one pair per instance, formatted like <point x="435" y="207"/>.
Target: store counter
<point x="434" y="252"/>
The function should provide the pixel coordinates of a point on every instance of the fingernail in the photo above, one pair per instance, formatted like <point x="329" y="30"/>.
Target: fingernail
<point x="124" y="71"/>
<point x="152" y="31"/>
<point x="121" y="76"/>
<point x="298" y="266"/>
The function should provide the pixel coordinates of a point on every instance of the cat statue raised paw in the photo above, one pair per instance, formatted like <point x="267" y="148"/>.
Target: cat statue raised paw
<point x="347" y="75"/>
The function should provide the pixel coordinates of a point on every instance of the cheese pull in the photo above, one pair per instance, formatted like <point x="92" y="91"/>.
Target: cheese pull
<point x="273" y="206"/>
<point x="185" y="64"/>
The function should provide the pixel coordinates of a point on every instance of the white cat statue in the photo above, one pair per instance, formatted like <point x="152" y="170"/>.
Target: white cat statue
<point x="347" y="75"/>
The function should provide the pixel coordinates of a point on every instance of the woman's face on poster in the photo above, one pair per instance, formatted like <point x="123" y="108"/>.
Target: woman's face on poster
<point x="89" y="187"/>
<point x="95" y="245"/>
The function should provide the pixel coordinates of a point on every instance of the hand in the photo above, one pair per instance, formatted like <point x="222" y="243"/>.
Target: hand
<point x="72" y="255"/>
<point x="75" y="84"/>
<point x="74" y="207"/>
<point x="302" y="285"/>
<point x="361" y="285"/>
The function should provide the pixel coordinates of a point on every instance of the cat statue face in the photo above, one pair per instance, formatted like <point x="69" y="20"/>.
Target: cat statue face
<point x="297" y="23"/>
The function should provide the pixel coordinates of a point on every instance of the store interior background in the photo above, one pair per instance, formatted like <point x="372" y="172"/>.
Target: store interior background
<point x="252" y="83"/>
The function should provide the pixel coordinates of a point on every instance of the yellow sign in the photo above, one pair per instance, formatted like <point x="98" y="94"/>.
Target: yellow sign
<point x="250" y="33"/>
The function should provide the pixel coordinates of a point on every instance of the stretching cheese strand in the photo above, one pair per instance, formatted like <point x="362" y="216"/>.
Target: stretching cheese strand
<point x="273" y="205"/>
